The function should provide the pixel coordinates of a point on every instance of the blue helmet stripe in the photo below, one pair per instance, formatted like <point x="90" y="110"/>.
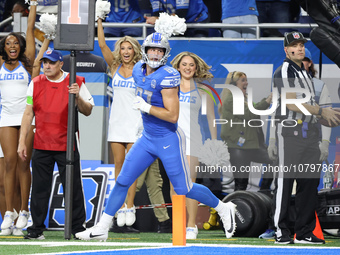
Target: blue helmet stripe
<point x="156" y="38"/>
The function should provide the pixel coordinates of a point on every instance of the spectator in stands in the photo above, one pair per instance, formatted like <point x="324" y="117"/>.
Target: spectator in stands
<point x="129" y="13"/>
<point x="194" y="11"/>
<point x="239" y="12"/>
<point x="2" y="13"/>
<point x="274" y="11"/>
<point x="19" y="6"/>
<point x="215" y="13"/>
<point x="86" y="62"/>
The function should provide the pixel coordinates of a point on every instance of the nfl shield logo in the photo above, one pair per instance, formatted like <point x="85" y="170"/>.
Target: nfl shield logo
<point x="296" y="35"/>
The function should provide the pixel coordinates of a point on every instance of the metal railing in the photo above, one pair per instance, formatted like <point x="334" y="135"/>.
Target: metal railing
<point x="221" y="26"/>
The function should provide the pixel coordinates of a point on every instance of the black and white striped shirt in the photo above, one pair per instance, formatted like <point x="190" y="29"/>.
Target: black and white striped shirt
<point x="290" y="75"/>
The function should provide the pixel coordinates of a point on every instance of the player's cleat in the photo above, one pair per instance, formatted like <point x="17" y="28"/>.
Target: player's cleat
<point x="227" y="216"/>
<point x="192" y="233"/>
<point x="283" y="240"/>
<point x="23" y="219"/>
<point x="34" y="236"/>
<point x="95" y="233"/>
<point x="121" y="217"/>
<point x="17" y="232"/>
<point x="130" y="216"/>
<point x="6" y="232"/>
<point x="268" y="234"/>
<point x="8" y="219"/>
<point x="309" y="239"/>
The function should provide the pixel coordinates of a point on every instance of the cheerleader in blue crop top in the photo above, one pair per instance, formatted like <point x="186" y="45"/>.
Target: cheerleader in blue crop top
<point x="158" y="100"/>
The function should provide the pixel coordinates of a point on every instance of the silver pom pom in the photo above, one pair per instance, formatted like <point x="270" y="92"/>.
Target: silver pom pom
<point x="102" y="9"/>
<point x="169" y="25"/>
<point x="31" y="2"/>
<point x="214" y="153"/>
<point x="48" y="24"/>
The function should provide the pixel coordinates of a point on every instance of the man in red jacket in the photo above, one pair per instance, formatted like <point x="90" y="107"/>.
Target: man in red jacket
<point x="47" y="101"/>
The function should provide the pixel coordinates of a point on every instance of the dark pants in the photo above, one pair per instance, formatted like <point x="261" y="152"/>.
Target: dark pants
<point x="298" y="155"/>
<point x="42" y="173"/>
<point x="241" y="158"/>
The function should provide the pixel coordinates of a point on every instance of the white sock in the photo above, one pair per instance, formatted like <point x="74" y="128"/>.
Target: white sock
<point x="219" y="208"/>
<point x="105" y="220"/>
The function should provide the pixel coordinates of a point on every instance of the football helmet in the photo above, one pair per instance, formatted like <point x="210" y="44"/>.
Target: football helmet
<point x="159" y="41"/>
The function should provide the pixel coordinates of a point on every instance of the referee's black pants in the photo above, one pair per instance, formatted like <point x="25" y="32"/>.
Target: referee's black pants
<point x="298" y="152"/>
<point x="42" y="172"/>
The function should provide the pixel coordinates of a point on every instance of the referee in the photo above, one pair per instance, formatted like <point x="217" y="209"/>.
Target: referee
<point x="298" y="146"/>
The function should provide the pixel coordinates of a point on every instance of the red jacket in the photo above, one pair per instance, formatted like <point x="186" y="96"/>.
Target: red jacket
<point x="50" y="106"/>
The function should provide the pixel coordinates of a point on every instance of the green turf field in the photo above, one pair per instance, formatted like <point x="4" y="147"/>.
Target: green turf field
<point x="55" y="242"/>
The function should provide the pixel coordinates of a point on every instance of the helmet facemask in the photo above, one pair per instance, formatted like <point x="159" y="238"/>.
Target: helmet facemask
<point x="155" y="40"/>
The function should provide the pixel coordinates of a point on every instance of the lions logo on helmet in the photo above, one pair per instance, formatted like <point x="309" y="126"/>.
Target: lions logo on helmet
<point x="156" y="40"/>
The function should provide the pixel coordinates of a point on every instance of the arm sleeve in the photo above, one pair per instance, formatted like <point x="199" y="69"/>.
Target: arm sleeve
<point x="85" y="94"/>
<point x="29" y="100"/>
<point x="171" y="79"/>
<point x="325" y="99"/>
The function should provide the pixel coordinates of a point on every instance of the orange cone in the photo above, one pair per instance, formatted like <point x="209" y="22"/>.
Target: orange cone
<point x="317" y="230"/>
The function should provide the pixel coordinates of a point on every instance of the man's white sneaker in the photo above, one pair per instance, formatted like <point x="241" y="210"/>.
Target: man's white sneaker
<point x="192" y="233"/>
<point x="94" y="233"/>
<point x="17" y="232"/>
<point x="228" y="218"/>
<point x="9" y="218"/>
<point x="6" y="232"/>
<point x="23" y="219"/>
<point x="121" y="217"/>
<point x="130" y="216"/>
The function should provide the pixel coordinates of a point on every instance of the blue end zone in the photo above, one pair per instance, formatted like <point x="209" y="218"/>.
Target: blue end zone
<point x="222" y="251"/>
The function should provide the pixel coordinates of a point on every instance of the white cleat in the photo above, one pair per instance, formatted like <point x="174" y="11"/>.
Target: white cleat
<point x="8" y="219"/>
<point x="6" y="232"/>
<point x="228" y="219"/>
<point x="94" y="233"/>
<point x="121" y="217"/>
<point x="17" y="232"/>
<point x="23" y="219"/>
<point x="191" y="233"/>
<point x="130" y="216"/>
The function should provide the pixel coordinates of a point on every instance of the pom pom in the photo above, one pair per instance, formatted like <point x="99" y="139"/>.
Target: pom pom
<point x="214" y="153"/>
<point x="31" y="2"/>
<point x="48" y="24"/>
<point x="169" y="25"/>
<point x="102" y="9"/>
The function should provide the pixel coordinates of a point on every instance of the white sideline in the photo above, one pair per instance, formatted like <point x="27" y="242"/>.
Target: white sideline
<point x="96" y="243"/>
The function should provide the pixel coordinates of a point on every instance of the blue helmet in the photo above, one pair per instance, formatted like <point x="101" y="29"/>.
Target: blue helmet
<point x="156" y="40"/>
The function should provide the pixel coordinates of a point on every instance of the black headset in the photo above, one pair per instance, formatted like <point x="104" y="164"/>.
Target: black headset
<point x="232" y="79"/>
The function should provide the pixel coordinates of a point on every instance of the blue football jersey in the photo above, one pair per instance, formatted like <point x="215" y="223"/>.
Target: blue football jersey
<point x="149" y="88"/>
<point x="125" y="11"/>
<point x="197" y="10"/>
